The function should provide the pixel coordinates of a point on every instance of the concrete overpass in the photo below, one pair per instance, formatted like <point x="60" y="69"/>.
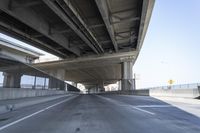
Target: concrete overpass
<point x="99" y="40"/>
<point x="93" y="71"/>
<point x="18" y="52"/>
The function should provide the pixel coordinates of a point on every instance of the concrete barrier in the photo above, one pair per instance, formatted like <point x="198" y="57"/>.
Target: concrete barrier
<point x="14" y="93"/>
<point x="129" y="92"/>
<point x="14" y="104"/>
<point x="178" y="93"/>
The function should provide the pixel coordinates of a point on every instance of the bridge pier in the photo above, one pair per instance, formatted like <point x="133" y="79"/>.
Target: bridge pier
<point x="119" y="85"/>
<point x="101" y="86"/>
<point x="11" y="80"/>
<point x="127" y="82"/>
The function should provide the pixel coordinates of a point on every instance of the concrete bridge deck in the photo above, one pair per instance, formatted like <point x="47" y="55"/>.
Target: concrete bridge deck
<point x="102" y="114"/>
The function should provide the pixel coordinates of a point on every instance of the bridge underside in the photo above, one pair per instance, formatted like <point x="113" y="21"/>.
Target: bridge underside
<point x="98" y="40"/>
<point x="93" y="71"/>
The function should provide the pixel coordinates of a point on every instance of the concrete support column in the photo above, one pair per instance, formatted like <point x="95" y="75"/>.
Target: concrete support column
<point x="119" y="85"/>
<point x="101" y="86"/>
<point x="127" y="81"/>
<point x="96" y="89"/>
<point x="61" y="76"/>
<point x="11" y="80"/>
<point x="51" y="83"/>
<point x="92" y="90"/>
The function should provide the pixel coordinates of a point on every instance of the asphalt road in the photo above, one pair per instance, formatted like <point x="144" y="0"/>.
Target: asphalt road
<point x="100" y="114"/>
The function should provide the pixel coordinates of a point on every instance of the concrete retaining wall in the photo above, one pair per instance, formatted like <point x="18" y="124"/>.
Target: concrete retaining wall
<point x="180" y="93"/>
<point x="13" y="93"/>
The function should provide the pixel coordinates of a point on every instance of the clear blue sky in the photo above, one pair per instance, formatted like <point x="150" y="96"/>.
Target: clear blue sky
<point x="171" y="49"/>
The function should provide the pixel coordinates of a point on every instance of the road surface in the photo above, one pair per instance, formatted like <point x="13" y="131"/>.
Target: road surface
<point x="100" y="114"/>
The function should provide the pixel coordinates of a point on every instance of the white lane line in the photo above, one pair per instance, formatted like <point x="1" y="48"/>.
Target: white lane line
<point x="26" y="117"/>
<point x="151" y="113"/>
<point x="122" y="103"/>
<point x="154" y="106"/>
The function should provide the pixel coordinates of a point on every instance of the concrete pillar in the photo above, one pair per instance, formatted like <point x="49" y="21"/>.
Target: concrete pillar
<point x="119" y="85"/>
<point x="11" y="80"/>
<point x="50" y="86"/>
<point x="92" y="90"/>
<point x="61" y="76"/>
<point x="96" y="89"/>
<point x="127" y="81"/>
<point x="101" y="86"/>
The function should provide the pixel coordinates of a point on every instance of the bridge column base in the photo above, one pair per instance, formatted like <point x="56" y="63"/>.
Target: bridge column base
<point x="11" y="80"/>
<point x="127" y="82"/>
<point x="101" y="86"/>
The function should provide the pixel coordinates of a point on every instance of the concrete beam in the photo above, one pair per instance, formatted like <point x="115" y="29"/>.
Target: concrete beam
<point x="147" y="9"/>
<point x="85" y="26"/>
<point x="104" y="10"/>
<point x="14" y="5"/>
<point x="33" y="20"/>
<point x="96" y="26"/>
<point x="124" y="20"/>
<point x="61" y="31"/>
<point x="69" y="22"/>
<point x="107" y="59"/>
<point x="58" y="73"/>
<point x="11" y="31"/>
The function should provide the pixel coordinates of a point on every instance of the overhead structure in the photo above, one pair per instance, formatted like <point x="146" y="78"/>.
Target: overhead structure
<point x="18" y="52"/>
<point x="80" y="29"/>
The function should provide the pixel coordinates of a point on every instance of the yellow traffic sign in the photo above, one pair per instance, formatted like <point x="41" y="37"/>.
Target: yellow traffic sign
<point x="171" y="81"/>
